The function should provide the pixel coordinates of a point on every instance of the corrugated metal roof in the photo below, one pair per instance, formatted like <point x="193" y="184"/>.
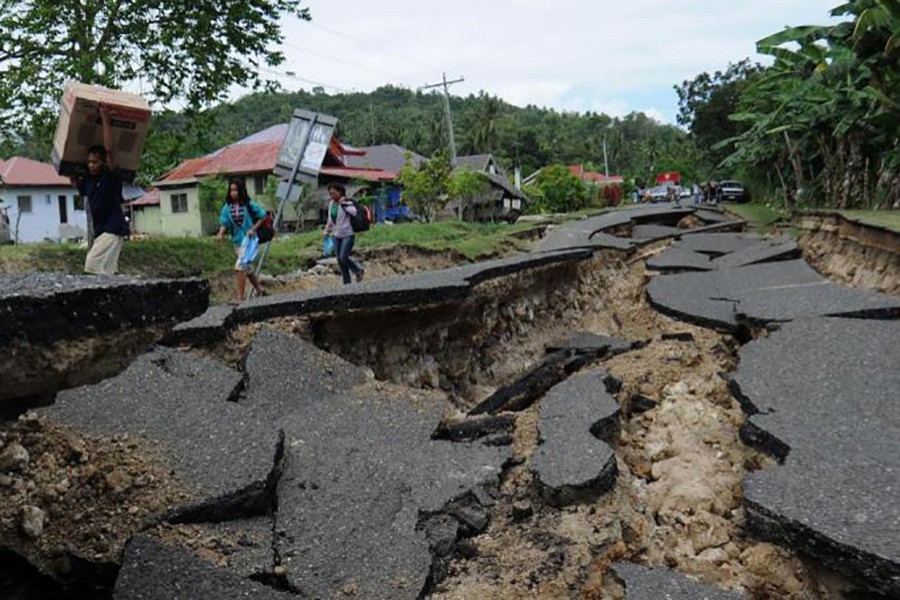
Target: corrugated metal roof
<point x="19" y="171"/>
<point x="388" y="157"/>
<point x="275" y="133"/>
<point x="151" y="198"/>
<point x="477" y="162"/>
<point x="186" y="170"/>
<point x="353" y="173"/>
<point x="593" y="177"/>
<point x="255" y="157"/>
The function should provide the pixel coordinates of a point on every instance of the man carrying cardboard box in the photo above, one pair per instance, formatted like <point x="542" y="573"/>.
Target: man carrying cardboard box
<point x="102" y="187"/>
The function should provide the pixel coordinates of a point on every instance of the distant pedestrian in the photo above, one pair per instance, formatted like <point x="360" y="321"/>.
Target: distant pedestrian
<point x="102" y="187"/>
<point x="237" y="218"/>
<point x="340" y="227"/>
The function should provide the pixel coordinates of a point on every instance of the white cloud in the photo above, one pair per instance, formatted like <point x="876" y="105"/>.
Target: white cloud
<point x="565" y="54"/>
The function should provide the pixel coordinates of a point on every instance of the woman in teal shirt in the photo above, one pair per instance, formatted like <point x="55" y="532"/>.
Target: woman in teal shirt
<point x="237" y="217"/>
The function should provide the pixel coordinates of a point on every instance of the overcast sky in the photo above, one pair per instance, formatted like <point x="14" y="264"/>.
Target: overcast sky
<point x="576" y="55"/>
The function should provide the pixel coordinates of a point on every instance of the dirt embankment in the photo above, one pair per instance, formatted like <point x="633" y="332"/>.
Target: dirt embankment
<point x="853" y="253"/>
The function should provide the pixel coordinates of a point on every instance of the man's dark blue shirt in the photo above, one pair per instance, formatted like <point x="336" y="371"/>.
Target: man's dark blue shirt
<point x="104" y="196"/>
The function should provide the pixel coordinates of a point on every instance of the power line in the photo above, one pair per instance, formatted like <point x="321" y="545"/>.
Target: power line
<point x="337" y="60"/>
<point x="295" y="77"/>
<point x="369" y="44"/>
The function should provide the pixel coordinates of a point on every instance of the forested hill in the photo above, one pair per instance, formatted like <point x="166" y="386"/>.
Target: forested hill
<point x="532" y="136"/>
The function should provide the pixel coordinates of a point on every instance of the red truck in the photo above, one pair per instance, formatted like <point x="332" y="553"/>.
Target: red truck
<point x="671" y="178"/>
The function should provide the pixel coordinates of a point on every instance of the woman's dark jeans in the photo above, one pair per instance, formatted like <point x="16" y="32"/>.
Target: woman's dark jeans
<point x="342" y="249"/>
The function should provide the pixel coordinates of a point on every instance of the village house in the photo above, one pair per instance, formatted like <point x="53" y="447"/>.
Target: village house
<point x="40" y="204"/>
<point x="175" y="208"/>
<point x="589" y="177"/>
<point x="500" y="201"/>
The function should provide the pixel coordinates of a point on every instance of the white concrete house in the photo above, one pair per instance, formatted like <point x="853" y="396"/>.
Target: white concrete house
<point x="40" y="204"/>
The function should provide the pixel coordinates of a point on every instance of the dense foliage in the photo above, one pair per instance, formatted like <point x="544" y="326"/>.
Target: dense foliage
<point x="185" y="52"/>
<point x="820" y="126"/>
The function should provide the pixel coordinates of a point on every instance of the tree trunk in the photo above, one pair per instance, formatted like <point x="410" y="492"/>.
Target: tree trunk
<point x="795" y="162"/>
<point x="788" y="205"/>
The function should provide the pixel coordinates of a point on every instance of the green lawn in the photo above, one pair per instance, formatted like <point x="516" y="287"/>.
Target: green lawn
<point x="204" y="257"/>
<point x="882" y="218"/>
<point x="759" y="216"/>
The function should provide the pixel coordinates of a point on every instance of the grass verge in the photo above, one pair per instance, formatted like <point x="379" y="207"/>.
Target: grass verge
<point x="760" y="217"/>
<point x="204" y="257"/>
<point x="881" y="218"/>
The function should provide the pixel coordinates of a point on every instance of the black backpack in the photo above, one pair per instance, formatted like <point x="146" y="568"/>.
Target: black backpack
<point x="362" y="220"/>
<point x="266" y="231"/>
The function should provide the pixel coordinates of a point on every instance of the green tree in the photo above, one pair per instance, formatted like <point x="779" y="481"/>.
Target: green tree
<point x="706" y="102"/>
<point x="555" y="189"/>
<point x="426" y="188"/>
<point x="189" y="52"/>
<point x="466" y="186"/>
<point x="825" y="117"/>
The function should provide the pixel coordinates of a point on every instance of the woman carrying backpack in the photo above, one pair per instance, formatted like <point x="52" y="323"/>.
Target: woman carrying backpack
<point x="237" y="217"/>
<point x="340" y="227"/>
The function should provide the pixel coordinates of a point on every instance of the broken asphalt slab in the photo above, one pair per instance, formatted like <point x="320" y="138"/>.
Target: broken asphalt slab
<point x="42" y="308"/>
<point x="432" y="287"/>
<point x="764" y="251"/>
<point x="361" y="471"/>
<point x="675" y="258"/>
<point x="654" y="232"/>
<point x="316" y="375"/>
<point x="153" y="570"/>
<point x="359" y="474"/>
<point x="730" y="252"/>
<point x="60" y="331"/>
<point x="822" y="396"/>
<point x="217" y="451"/>
<point x="716" y="244"/>
<point x="591" y="343"/>
<point x="779" y="291"/>
<point x="574" y="461"/>
<point x="645" y="583"/>
<point x="590" y="232"/>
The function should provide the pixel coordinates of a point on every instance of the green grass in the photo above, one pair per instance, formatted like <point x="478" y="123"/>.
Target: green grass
<point x="204" y="257"/>
<point x="760" y="217"/>
<point x="882" y="218"/>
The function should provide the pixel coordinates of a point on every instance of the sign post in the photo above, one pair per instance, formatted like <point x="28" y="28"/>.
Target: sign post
<point x="299" y="159"/>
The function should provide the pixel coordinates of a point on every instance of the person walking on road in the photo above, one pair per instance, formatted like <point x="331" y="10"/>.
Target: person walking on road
<point x="237" y="218"/>
<point x="102" y="186"/>
<point x="340" y="227"/>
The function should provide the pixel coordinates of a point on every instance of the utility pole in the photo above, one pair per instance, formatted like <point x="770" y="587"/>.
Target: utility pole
<point x="605" y="160"/>
<point x="445" y="84"/>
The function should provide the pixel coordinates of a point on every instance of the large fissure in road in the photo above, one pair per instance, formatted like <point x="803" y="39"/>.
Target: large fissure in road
<point x="512" y="429"/>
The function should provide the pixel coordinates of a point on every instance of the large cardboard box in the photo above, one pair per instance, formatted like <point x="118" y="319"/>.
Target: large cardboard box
<point x="79" y="127"/>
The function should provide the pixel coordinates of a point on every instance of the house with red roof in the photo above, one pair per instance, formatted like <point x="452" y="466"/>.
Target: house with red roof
<point x="39" y="203"/>
<point x="589" y="177"/>
<point x="174" y="207"/>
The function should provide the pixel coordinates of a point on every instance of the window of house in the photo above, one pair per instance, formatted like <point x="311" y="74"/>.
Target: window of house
<point x="179" y="203"/>
<point x="63" y="209"/>
<point x="259" y="184"/>
<point x="78" y="201"/>
<point x="24" y="204"/>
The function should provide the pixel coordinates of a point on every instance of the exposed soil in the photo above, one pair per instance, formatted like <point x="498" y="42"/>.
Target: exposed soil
<point x="68" y="500"/>
<point x="851" y="253"/>
<point x="677" y="499"/>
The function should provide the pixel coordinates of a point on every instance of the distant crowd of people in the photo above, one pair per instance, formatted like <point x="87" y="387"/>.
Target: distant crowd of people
<point x="707" y="192"/>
